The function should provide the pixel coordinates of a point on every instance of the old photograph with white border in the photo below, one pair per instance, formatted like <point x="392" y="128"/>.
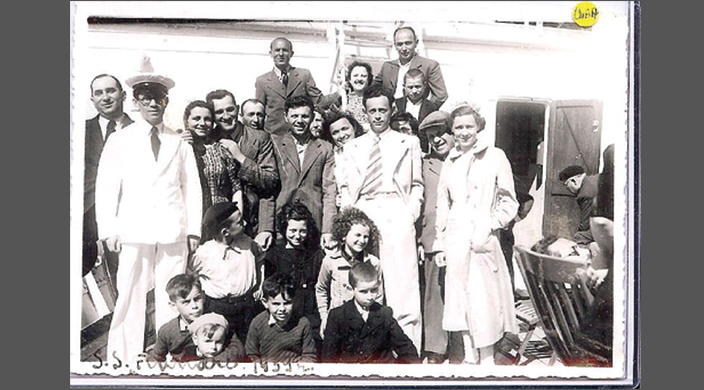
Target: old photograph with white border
<point x="553" y="83"/>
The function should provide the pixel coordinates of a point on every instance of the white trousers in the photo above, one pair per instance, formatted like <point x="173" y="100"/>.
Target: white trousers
<point x="141" y="268"/>
<point x="399" y="262"/>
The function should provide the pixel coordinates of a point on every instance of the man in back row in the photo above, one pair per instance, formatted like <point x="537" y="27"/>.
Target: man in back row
<point x="392" y="73"/>
<point x="285" y="82"/>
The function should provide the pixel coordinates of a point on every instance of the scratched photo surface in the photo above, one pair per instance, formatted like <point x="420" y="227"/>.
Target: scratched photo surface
<point x="497" y="249"/>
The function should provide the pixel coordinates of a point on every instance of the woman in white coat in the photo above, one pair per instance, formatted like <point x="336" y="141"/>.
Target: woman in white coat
<point x="475" y="199"/>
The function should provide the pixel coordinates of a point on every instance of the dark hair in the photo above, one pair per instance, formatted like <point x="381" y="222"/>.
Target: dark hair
<point x="467" y="110"/>
<point x="297" y="211"/>
<point x="119" y="85"/>
<point x="349" y="216"/>
<point x="365" y="65"/>
<point x="409" y="28"/>
<point x="290" y="45"/>
<point x="219" y="94"/>
<point x="413" y="73"/>
<point x="299" y="101"/>
<point x="181" y="285"/>
<point x="251" y="100"/>
<point x="375" y="91"/>
<point x="194" y="104"/>
<point x="334" y="116"/>
<point x="363" y="271"/>
<point x="278" y="284"/>
<point x="542" y="245"/>
<point x="404" y="117"/>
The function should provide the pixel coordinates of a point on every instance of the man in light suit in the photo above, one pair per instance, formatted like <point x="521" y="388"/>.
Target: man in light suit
<point x="392" y="72"/>
<point x="306" y="168"/>
<point x="108" y="98"/>
<point x="284" y="82"/>
<point x="148" y="207"/>
<point x="253" y="149"/>
<point x="393" y="199"/>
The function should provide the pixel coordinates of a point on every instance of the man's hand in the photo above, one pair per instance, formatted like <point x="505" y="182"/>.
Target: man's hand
<point x="440" y="260"/>
<point x="114" y="244"/>
<point x="327" y="242"/>
<point x="186" y="136"/>
<point x="234" y="149"/>
<point x="264" y="240"/>
<point x="192" y="244"/>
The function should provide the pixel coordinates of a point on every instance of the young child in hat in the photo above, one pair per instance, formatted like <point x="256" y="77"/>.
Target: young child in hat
<point x="209" y="335"/>
<point x="230" y="266"/>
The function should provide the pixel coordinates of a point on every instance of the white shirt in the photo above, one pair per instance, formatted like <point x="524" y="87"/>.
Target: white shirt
<point x="413" y="109"/>
<point x="229" y="270"/>
<point x="362" y="311"/>
<point x="119" y="124"/>
<point x="399" y="83"/>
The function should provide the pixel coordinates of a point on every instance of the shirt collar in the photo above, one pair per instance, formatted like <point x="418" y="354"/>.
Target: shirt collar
<point x="277" y="71"/>
<point x="381" y="135"/>
<point x="104" y="121"/>
<point x="182" y="325"/>
<point x="359" y="257"/>
<point x="408" y="64"/>
<point x="362" y="311"/>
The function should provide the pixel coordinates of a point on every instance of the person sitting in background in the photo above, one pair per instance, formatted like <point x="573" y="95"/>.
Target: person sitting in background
<point x="358" y="78"/>
<point x="317" y="125"/>
<point x="405" y="123"/>
<point x="585" y="188"/>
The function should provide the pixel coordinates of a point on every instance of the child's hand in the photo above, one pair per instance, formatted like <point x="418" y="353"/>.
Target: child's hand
<point x="323" y="324"/>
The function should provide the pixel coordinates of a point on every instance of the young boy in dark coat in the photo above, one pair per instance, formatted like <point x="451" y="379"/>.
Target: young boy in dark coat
<point x="363" y="331"/>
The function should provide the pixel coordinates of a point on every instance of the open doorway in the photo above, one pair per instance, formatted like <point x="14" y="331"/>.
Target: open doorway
<point x="520" y="128"/>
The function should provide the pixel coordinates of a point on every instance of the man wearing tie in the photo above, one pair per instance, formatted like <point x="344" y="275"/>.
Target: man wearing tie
<point x="285" y="82"/>
<point x="148" y="208"/>
<point x="382" y="176"/>
<point x="108" y="97"/>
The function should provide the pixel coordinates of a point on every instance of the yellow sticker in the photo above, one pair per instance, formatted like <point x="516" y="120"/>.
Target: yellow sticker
<point x="585" y="14"/>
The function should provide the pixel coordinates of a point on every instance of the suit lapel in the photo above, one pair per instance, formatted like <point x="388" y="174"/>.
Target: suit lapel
<point x="374" y="320"/>
<point x="288" y="149"/>
<point x="353" y="318"/>
<point x="294" y="79"/>
<point x="275" y="85"/>
<point x="313" y="150"/>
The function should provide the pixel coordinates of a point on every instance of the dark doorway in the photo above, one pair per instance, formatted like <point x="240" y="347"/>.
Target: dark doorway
<point x="520" y="128"/>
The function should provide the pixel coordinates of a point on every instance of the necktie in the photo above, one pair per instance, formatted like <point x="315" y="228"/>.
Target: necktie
<point x="110" y="130"/>
<point x="372" y="180"/>
<point x="155" y="142"/>
<point x="284" y="79"/>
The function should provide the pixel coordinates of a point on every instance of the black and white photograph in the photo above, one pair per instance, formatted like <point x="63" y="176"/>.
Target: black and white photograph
<point x="348" y="193"/>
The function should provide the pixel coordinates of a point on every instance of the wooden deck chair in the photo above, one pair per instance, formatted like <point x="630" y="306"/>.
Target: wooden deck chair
<point x="560" y="300"/>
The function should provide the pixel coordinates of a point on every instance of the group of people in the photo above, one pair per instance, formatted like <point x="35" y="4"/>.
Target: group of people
<point x="371" y="236"/>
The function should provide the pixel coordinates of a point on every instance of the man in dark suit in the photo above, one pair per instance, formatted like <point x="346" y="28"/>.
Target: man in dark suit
<point x="415" y="101"/>
<point x="253" y="149"/>
<point x="392" y="72"/>
<point x="108" y="97"/>
<point x="284" y="82"/>
<point x="306" y="167"/>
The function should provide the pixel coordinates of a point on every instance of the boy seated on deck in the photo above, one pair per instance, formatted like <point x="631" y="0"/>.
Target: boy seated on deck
<point x="362" y="330"/>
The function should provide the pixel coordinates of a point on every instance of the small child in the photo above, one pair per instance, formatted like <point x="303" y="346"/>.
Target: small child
<point x="300" y="257"/>
<point x="357" y="234"/>
<point x="186" y="297"/>
<point x="363" y="331"/>
<point x="278" y="334"/>
<point x="209" y="335"/>
<point x="230" y="267"/>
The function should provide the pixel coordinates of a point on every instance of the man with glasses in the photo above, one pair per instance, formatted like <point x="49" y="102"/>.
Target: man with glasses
<point x="148" y="208"/>
<point x="585" y="188"/>
<point x="392" y="73"/>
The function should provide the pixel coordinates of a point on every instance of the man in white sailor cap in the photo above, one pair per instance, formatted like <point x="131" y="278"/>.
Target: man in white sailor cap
<point x="148" y="209"/>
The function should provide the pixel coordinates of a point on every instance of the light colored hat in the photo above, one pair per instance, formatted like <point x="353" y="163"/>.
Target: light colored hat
<point x="208" y="318"/>
<point x="146" y="75"/>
